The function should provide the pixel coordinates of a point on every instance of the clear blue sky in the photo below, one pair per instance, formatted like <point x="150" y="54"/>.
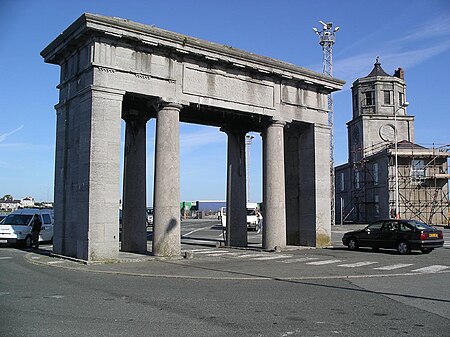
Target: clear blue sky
<point x="411" y="34"/>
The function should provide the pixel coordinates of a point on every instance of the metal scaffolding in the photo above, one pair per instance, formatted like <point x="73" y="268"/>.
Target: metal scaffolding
<point x="423" y="184"/>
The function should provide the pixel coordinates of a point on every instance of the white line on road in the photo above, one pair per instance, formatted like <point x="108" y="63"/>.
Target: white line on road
<point x="223" y="254"/>
<point x="431" y="269"/>
<point x="319" y="263"/>
<point x="394" y="266"/>
<point x="356" y="264"/>
<point x="251" y="255"/>
<point x="273" y="257"/>
<point x="5" y="257"/>
<point x="195" y="230"/>
<point x="300" y="259"/>
<point x="211" y="251"/>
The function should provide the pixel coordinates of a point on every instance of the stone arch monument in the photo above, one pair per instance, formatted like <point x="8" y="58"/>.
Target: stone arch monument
<point x="113" y="69"/>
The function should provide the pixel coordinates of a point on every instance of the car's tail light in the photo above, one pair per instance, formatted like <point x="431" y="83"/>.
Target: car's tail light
<point x="423" y="236"/>
<point x="441" y="235"/>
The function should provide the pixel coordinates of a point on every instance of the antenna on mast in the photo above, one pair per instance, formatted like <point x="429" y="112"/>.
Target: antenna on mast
<point x="327" y="38"/>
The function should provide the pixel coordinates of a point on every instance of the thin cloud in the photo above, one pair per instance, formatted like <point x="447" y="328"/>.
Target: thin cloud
<point x="27" y="147"/>
<point x="411" y="49"/>
<point x="7" y="134"/>
<point x="190" y="141"/>
<point x="194" y="140"/>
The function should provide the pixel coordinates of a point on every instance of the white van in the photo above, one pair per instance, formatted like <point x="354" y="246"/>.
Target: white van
<point x="16" y="227"/>
<point x="254" y="217"/>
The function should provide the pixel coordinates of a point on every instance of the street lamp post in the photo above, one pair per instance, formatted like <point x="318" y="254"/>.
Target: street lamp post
<point x="402" y="106"/>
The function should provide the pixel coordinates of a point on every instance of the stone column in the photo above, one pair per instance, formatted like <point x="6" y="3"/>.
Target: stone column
<point x="166" y="196"/>
<point x="60" y="207"/>
<point x="134" y="226"/>
<point x="236" y="220"/>
<point x="274" y="225"/>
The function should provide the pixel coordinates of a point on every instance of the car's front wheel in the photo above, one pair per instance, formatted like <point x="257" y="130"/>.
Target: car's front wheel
<point x="28" y="241"/>
<point x="403" y="248"/>
<point x="352" y="244"/>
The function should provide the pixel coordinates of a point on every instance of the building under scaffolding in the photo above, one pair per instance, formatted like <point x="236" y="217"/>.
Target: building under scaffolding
<point x="366" y="185"/>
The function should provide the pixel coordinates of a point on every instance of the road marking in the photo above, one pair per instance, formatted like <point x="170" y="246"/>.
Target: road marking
<point x="394" y="266"/>
<point x="55" y="296"/>
<point x="195" y="230"/>
<point x="301" y="259"/>
<point x="222" y="254"/>
<point x="211" y="251"/>
<point x="320" y="263"/>
<point x="357" y="264"/>
<point x="431" y="269"/>
<point x="5" y="257"/>
<point x="54" y="262"/>
<point x="251" y="255"/>
<point x="273" y="257"/>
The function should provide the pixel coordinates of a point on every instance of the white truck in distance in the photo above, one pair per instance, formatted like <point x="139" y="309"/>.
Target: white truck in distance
<point x="254" y="217"/>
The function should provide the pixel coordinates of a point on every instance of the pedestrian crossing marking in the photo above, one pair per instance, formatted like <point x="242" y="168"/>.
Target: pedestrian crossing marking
<point x="252" y="255"/>
<point x="319" y="263"/>
<point x="431" y="269"/>
<point x="222" y="254"/>
<point x="357" y="264"/>
<point x="301" y="259"/>
<point x="210" y="251"/>
<point x="394" y="266"/>
<point x="273" y="257"/>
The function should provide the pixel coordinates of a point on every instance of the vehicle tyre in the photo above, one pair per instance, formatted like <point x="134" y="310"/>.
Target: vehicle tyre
<point x="403" y="248"/>
<point x="426" y="250"/>
<point x="28" y="242"/>
<point x="352" y="244"/>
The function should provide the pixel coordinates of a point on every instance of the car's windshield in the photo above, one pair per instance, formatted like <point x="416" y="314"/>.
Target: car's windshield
<point x="17" y="219"/>
<point x="419" y="225"/>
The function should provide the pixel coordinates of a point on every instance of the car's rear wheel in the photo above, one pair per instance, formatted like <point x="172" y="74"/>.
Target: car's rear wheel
<point x="403" y="248"/>
<point x="426" y="250"/>
<point x="352" y="244"/>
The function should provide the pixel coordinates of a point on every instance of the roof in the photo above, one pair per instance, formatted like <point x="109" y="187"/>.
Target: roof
<point x="377" y="70"/>
<point x="404" y="144"/>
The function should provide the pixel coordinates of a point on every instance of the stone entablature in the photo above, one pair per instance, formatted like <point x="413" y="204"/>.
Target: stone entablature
<point x="124" y="55"/>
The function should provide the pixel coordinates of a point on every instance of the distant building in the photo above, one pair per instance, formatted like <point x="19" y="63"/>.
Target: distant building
<point x="366" y="185"/>
<point x="9" y="205"/>
<point x="27" y="202"/>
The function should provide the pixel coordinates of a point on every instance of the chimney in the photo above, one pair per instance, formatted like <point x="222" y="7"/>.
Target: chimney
<point x="400" y="73"/>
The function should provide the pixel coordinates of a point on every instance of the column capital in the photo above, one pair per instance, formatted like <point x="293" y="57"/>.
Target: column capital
<point x="170" y="105"/>
<point x="130" y="115"/>
<point x="278" y="123"/>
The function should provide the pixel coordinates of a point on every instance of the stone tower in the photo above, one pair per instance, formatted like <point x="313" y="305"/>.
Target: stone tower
<point x="377" y="98"/>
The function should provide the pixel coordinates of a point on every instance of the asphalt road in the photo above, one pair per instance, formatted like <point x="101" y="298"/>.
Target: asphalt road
<point x="227" y="292"/>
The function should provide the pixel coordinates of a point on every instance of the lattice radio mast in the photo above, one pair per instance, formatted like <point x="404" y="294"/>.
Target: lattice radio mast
<point x="327" y="37"/>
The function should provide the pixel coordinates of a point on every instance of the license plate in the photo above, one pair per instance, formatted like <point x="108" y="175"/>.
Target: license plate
<point x="3" y="241"/>
<point x="432" y="235"/>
